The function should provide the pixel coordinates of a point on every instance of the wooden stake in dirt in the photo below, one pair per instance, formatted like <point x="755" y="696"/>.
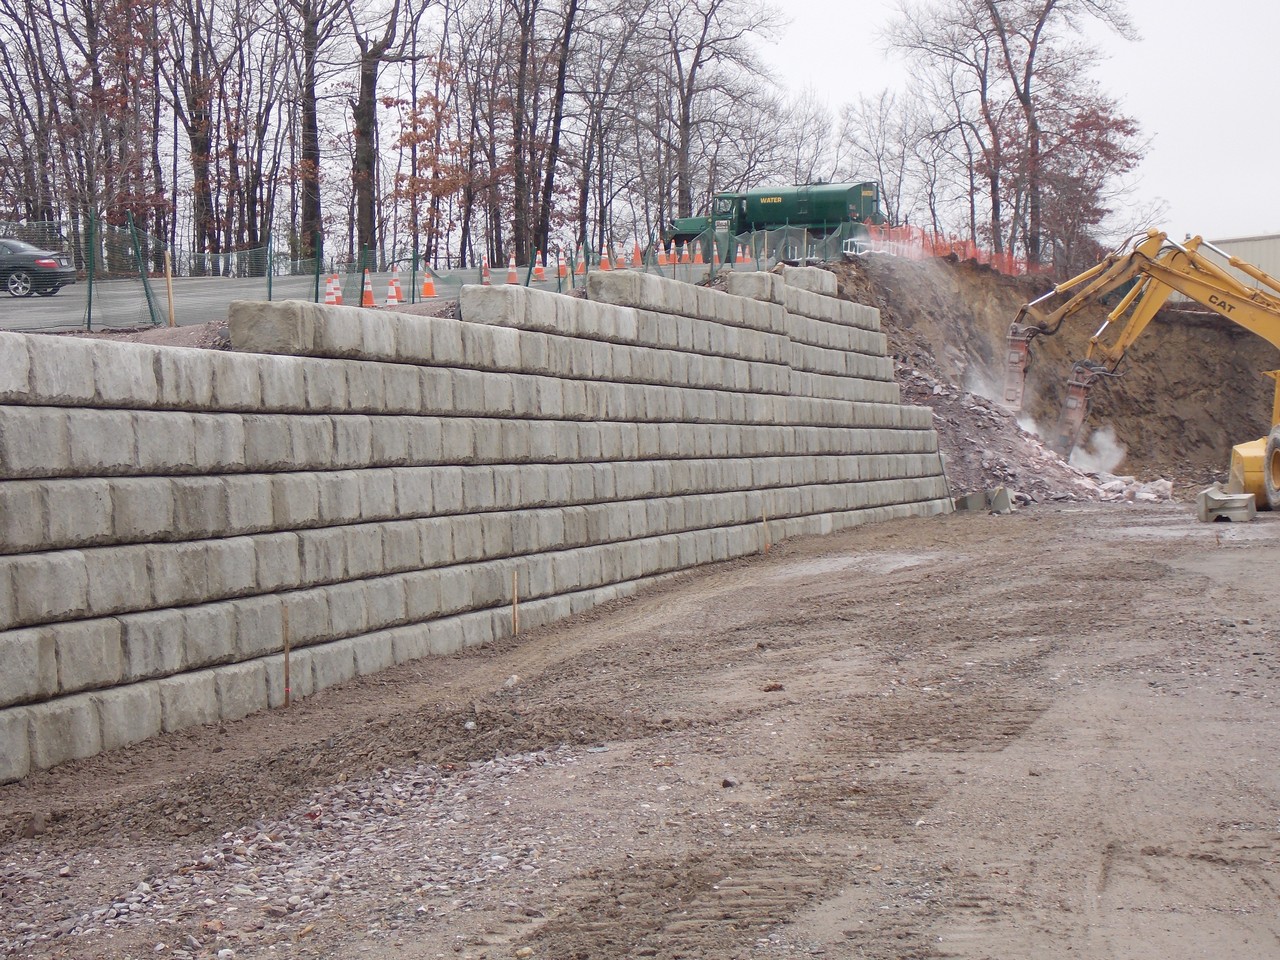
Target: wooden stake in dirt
<point x="168" y="283"/>
<point x="515" y="605"/>
<point x="284" y="615"/>
<point x="764" y="522"/>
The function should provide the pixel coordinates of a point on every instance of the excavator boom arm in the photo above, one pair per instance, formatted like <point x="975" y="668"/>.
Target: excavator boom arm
<point x="1158" y="267"/>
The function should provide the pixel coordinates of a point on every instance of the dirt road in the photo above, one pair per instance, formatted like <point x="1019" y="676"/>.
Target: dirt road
<point x="1051" y="735"/>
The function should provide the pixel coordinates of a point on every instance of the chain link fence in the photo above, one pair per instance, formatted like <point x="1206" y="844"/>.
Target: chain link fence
<point x="125" y="278"/>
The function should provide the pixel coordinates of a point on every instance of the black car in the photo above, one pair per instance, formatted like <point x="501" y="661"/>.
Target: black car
<point x="26" y="269"/>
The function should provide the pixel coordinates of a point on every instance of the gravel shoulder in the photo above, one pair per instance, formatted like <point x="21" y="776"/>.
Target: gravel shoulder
<point x="1046" y="734"/>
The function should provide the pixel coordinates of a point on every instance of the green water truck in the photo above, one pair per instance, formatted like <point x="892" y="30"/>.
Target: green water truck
<point x="820" y="208"/>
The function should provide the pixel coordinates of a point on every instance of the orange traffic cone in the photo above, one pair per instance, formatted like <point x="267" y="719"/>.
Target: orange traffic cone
<point x="512" y="277"/>
<point x="562" y="271"/>
<point x="394" y="298"/>
<point x="715" y="253"/>
<point x="637" y="261"/>
<point x="485" y="277"/>
<point x="366" y="298"/>
<point x="742" y="254"/>
<point x="582" y="264"/>
<point x="540" y="267"/>
<point x="662" y="255"/>
<point x="697" y="253"/>
<point x="337" y="290"/>
<point x="330" y="294"/>
<point x="428" y="287"/>
<point x="684" y="252"/>
<point x="604" y="259"/>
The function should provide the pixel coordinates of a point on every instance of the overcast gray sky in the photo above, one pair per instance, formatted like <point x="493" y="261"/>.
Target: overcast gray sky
<point x="1201" y="80"/>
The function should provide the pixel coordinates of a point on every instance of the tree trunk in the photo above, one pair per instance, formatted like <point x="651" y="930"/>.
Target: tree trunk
<point x="542" y="236"/>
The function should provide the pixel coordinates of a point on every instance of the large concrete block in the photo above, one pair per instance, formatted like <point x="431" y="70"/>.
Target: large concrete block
<point x="332" y="663"/>
<point x="323" y="555"/>
<point x="124" y="375"/>
<point x="385" y="600"/>
<point x="22" y="517"/>
<point x="15" y="741"/>
<point x="311" y="442"/>
<point x="366" y="387"/>
<point x="64" y="729"/>
<point x="249" y="503"/>
<point x="363" y="550"/>
<point x="208" y="634"/>
<point x="348" y="609"/>
<point x="184" y="377"/>
<point x="422" y="595"/>
<point x="30" y="666"/>
<point x="436" y="385"/>
<point x="277" y="562"/>
<point x="373" y="652"/>
<point x="326" y="385"/>
<point x="34" y="442"/>
<point x="377" y="494"/>
<point x="219" y="442"/>
<point x="188" y="700"/>
<point x="15" y="366"/>
<point x="241" y="689"/>
<point x="307" y="613"/>
<point x="101" y="442"/>
<point x="446" y="342"/>
<point x="141" y="509"/>
<point x="47" y="587"/>
<point x="236" y="382"/>
<point x="338" y="496"/>
<point x="500" y="305"/>
<point x="413" y="338"/>
<point x="77" y="512"/>
<point x="165" y="442"/>
<point x="407" y="643"/>
<point x="352" y="440"/>
<point x="118" y="578"/>
<point x="128" y="714"/>
<point x="282" y="384"/>
<point x="256" y="327"/>
<point x="301" y="681"/>
<point x="179" y="573"/>
<point x="152" y="644"/>
<point x="61" y="370"/>
<point x="259" y="626"/>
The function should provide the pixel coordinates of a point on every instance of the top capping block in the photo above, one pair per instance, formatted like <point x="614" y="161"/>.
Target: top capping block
<point x="774" y="288"/>
<point x="813" y="279"/>
<point x="660" y="295"/>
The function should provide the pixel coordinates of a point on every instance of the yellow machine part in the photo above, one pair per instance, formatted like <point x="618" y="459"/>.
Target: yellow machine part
<point x="1247" y="463"/>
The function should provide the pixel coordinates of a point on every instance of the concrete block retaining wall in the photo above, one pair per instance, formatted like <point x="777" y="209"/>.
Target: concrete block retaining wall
<point x="372" y="484"/>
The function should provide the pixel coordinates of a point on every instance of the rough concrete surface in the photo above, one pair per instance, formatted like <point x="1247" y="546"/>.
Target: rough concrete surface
<point x="1047" y="734"/>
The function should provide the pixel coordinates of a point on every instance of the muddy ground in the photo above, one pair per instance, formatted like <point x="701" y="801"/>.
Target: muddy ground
<point x="1050" y="734"/>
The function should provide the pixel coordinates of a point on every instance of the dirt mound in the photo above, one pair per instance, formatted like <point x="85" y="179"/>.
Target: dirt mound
<point x="1192" y="386"/>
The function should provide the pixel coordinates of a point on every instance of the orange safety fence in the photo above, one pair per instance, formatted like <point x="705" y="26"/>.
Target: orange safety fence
<point x="915" y="243"/>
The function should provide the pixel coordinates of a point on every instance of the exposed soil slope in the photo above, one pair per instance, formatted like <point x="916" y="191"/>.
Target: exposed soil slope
<point x="1192" y="388"/>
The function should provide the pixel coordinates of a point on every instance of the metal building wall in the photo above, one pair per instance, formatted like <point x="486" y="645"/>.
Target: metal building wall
<point x="1261" y="251"/>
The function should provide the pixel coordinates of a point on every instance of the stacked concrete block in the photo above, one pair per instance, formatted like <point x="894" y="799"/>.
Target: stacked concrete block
<point x="362" y="488"/>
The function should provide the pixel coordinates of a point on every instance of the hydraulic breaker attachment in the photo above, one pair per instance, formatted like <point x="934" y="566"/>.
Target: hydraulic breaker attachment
<point x="1076" y="406"/>
<point x="1017" y="360"/>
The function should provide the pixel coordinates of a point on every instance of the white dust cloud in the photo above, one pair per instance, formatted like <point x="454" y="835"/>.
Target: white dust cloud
<point x="1101" y="453"/>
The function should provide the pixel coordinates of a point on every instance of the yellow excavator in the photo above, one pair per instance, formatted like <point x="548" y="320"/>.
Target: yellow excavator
<point x="1156" y="267"/>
